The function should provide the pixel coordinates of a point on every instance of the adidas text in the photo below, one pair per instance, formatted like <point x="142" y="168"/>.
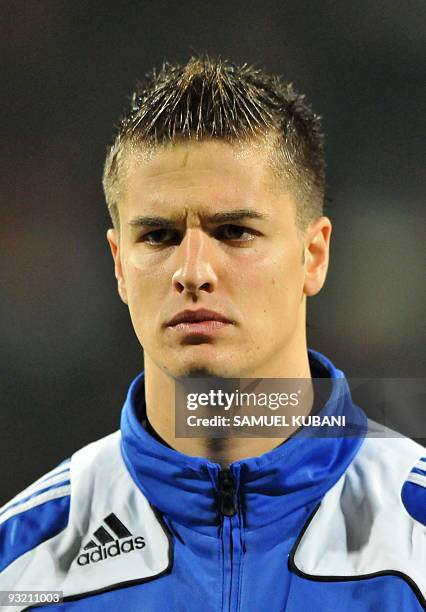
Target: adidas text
<point x="118" y="547"/>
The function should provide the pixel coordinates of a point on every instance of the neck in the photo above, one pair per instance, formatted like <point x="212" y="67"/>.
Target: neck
<point x="160" y="405"/>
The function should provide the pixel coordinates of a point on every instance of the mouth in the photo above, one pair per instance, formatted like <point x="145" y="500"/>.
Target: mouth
<point x="199" y="322"/>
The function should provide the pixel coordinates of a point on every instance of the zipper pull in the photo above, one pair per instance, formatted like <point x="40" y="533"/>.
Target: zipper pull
<point x="228" y="502"/>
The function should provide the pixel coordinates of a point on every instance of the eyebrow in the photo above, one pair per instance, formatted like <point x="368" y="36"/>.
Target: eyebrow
<point x="226" y="216"/>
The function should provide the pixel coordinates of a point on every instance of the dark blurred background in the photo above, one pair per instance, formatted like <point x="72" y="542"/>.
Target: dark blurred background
<point x="68" y="349"/>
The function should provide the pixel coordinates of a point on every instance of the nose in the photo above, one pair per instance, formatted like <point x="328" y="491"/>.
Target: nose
<point x="195" y="270"/>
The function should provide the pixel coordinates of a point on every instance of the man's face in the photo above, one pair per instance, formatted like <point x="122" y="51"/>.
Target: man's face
<point x="254" y="267"/>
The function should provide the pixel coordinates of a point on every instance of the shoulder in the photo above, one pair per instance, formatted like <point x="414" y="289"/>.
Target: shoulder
<point x="392" y="469"/>
<point x="372" y="521"/>
<point x="80" y="528"/>
<point x="36" y="514"/>
<point x="42" y="509"/>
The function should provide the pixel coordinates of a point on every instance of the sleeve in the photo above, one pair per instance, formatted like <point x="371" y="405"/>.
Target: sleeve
<point x="413" y="493"/>
<point x="35" y="515"/>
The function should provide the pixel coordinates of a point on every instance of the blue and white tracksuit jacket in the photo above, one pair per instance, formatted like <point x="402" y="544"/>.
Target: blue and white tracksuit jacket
<point x="317" y="524"/>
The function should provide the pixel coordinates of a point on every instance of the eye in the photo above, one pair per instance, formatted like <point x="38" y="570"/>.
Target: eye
<point x="161" y="236"/>
<point x="235" y="232"/>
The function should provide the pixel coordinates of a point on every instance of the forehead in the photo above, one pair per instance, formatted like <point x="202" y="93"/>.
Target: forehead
<point x="199" y="176"/>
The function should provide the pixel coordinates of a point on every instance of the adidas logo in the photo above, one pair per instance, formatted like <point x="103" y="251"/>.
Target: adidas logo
<point x="104" y="545"/>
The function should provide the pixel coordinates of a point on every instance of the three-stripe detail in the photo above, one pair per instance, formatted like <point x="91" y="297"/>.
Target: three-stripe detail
<point x="418" y="473"/>
<point x="52" y="485"/>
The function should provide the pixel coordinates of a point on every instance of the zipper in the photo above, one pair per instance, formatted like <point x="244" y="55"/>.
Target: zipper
<point x="227" y="497"/>
<point x="231" y="540"/>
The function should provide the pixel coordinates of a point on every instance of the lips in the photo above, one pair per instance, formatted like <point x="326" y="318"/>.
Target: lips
<point x="196" y="316"/>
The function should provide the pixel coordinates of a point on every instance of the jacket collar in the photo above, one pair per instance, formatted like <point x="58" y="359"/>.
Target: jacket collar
<point x="269" y="487"/>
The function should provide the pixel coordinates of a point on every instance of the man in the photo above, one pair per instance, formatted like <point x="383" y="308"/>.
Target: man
<point x="215" y="185"/>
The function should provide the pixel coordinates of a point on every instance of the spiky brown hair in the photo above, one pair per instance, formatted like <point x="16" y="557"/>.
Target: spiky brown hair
<point x="214" y="99"/>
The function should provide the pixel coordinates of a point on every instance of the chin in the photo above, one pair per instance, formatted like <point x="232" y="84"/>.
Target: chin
<point x="197" y="368"/>
<point x="207" y="370"/>
<point x="199" y="372"/>
<point x="201" y="362"/>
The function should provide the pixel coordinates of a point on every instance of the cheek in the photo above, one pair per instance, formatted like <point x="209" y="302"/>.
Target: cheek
<point x="146" y="273"/>
<point x="143" y="267"/>
<point x="273" y="279"/>
<point x="143" y="290"/>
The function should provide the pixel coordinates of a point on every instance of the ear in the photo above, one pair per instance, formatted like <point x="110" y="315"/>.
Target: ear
<point x="113" y="239"/>
<point x="317" y="247"/>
